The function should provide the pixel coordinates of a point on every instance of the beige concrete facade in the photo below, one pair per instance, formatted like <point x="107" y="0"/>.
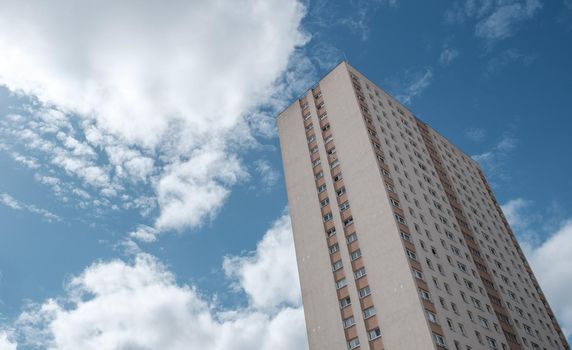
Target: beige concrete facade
<point x="400" y="242"/>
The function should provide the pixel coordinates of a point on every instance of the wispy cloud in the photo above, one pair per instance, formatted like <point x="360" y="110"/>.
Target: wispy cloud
<point x="448" y="55"/>
<point x="507" y="58"/>
<point x="493" y="160"/>
<point x="505" y="19"/>
<point x="494" y="20"/>
<point x="475" y="134"/>
<point x="411" y="84"/>
<point x="15" y="204"/>
<point x="268" y="175"/>
<point x="356" y="18"/>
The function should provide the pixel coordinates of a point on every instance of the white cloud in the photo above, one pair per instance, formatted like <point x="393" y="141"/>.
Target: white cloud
<point x="139" y="305"/>
<point x="495" y="20"/>
<point x="5" y="343"/>
<point x="139" y="93"/>
<point x="207" y="175"/>
<point x="268" y="175"/>
<point x="475" y="134"/>
<point x="548" y="249"/>
<point x="413" y="84"/>
<point x="269" y="276"/>
<point x="504" y="19"/>
<point x="145" y="233"/>
<point x="493" y="160"/>
<point x="448" y="55"/>
<point x="514" y="213"/>
<point x="552" y="264"/>
<point x="507" y="58"/>
<point x="15" y="204"/>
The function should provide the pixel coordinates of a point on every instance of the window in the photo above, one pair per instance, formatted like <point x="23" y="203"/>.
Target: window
<point x="337" y="265"/>
<point x="418" y="274"/>
<point x="492" y="343"/>
<point x="367" y="313"/>
<point x="350" y="321"/>
<point x="356" y="254"/>
<point x="354" y="343"/>
<point x="351" y="238"/>
<point x="345" y="302"/>
<point x="344" y="206"/>
<point x="331" y="231"/>
<point x="319" y="175"/>
<point x="325" y="202"/>
<point x="334" y="248"/>
<point x="400" y="219"/>
<point x="364" y="292"/>
<point x="322" y="188"/>
<point x="328" y="217"/>
<point x="338" y="177"/>
<point x="484" y="323"/>
<point x="341" y="191"/>
<point x="431" y="316"/>
<point x="411" y="254"/>
<point x="374" y="333"/>
<point x="425" y="294"/>
<point x="405" y="236"/>
<point x="394" y="202"/>
<point x="341" y="283"/>
<point x="439" y="340"/>
<point x="359" y="273"/>
<point x="348" y="221"/>
<point x="476" y="303"/>
<point x="469" y="284"/>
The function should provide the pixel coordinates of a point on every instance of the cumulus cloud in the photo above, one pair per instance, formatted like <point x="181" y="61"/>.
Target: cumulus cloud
<point x="552" y="263"/>
<point x="15" y="204"/>
<point x="549" y="251"/>
<point x="5" y="343"/>
<point x="139" y="305"/>
<point x="269" y="276"/>
<point x="130" y="93"/>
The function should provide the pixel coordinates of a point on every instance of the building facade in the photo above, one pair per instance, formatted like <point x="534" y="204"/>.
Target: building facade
<point x="400" y="242"/>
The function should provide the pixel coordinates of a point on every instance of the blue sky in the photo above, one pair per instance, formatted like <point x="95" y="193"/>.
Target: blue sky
<point x="141" y="172"/>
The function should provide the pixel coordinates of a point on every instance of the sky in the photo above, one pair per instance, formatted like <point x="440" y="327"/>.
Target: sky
<point x="142" y="201"/>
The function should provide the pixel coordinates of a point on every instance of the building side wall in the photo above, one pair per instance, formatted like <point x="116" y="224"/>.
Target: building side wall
<point x="321" y="310"/>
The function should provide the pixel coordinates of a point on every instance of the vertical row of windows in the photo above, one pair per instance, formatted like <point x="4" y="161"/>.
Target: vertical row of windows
<point x="345" y="301"/>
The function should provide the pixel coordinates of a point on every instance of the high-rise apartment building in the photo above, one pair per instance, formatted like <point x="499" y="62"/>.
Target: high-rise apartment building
<point x="399" y="239"/>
